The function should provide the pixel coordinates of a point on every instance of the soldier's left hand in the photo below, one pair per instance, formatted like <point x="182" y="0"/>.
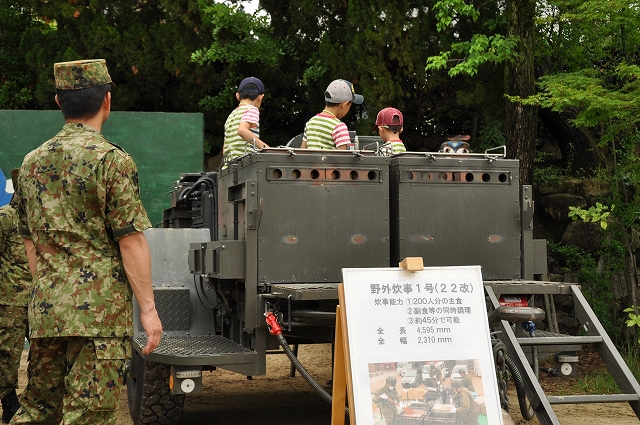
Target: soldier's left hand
<point x="153" y="327"/>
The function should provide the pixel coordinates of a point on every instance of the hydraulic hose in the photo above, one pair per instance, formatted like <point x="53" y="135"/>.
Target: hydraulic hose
<point x="187" y="190"/>
<point x="526" y="410"/>
<point x="276" y="329"/>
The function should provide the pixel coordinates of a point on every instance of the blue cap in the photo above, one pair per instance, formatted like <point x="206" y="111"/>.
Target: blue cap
<point x="251" y="85"/>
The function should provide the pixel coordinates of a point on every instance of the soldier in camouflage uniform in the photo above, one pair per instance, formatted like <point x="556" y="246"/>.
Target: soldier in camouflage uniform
<point x="81" y="220"/>
<point x="436" y="375"/>
<point x="466" y="407"/>
<point x="388" y="399"/>
<point x="15" y="281"/>
<point x="466" y="381"/>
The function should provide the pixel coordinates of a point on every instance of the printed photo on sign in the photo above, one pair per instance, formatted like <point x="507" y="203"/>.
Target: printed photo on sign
<point x="424" y="392"/>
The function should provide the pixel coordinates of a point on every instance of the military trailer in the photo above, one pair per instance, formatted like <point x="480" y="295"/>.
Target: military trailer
<point x="271" y="231"/>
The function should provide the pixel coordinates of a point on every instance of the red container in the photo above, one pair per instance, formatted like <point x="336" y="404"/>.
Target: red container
<point x="514" y="301"/>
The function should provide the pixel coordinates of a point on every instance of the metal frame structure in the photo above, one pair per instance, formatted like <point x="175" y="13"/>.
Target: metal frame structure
<point x="273" y="230"/>
<point x="595" y="334"/>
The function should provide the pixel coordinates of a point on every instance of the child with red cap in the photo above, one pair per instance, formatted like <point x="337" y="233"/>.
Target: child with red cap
<point x="389" y="124"/>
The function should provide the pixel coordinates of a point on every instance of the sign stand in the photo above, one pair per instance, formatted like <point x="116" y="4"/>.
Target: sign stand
<point x="342" y="383"/>
<point x="405" y="321"/>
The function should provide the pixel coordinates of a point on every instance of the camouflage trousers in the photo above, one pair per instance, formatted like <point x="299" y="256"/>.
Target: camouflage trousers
<point x="75" y="380"/>
<point x="469" y="419"/>
<point x="388" y="409"/>
<point x="13" y="329"/>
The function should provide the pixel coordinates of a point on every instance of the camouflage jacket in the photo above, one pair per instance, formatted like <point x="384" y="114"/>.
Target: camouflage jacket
<point x="388" y="408"/>
<point x="436" y="374"/>
<point x="15" y="277"/>
<point x="467" y="383"/>
<point x="465" y="404"/>
<point x="78" y="194"/>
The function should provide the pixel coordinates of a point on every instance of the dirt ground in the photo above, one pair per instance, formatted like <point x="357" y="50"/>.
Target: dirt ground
<point x="572" y="414"/>
<point x="277" y="399"/>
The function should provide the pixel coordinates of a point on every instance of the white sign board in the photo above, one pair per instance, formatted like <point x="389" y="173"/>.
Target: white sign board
<point x="403" y="325"/>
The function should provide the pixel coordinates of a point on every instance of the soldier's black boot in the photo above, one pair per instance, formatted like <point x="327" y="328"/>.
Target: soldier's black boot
<point x="10" y="405"/>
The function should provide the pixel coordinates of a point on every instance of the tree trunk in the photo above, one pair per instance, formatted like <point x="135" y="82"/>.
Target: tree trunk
<point x="520" y="81"/>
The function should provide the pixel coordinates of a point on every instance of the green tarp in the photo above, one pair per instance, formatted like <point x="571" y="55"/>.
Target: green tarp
<point x="162" y="144"/>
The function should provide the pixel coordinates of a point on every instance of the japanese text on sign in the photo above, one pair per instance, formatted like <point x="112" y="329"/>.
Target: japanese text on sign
<point x="434" y="304"/>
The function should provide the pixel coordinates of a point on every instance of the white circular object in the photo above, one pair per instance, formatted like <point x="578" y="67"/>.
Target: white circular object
<point x="187" y="386"/>
<point x="566" y="369"/>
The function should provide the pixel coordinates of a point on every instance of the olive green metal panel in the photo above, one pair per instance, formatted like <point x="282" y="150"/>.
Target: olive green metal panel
<point x="309" y="214"/>
<point x="453" y="211"/>
<point x="218" y="259"/>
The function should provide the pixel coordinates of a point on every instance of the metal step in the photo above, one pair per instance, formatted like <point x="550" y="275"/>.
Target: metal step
<point x="520" y="287"/>
<point x="549" y="347"/>
<point x="305" y="291"/>
<point x="214" y="350"/>
<point x="595" y="335"/>
<point x="558" y="340"/>
<point x="600" y="398"/>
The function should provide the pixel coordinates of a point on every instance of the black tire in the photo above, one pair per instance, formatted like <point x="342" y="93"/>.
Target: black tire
<point x="150" y="399"/>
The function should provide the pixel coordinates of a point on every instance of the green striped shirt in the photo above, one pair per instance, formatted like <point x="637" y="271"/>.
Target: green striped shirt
<point x="234" y="145"/>
<point x="397" y="146"/>
<point x="325" y="131"/>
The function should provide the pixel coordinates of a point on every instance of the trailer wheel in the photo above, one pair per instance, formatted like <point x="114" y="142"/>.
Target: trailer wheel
<point x="150" y="399"/>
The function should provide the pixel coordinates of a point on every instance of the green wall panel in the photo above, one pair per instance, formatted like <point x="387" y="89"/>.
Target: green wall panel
<point x="163" y="145"/>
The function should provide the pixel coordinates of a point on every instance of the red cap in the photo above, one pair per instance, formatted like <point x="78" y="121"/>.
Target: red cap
<point x="388" y="117"/>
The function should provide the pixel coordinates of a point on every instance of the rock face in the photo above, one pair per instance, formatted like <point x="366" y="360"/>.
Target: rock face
<point x="583" y="235"/>
<point x="556" y="205"/>
<point x="552" y="221"/>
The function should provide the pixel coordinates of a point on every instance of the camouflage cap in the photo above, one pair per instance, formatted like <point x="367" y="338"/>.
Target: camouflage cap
<point x="83" y="74"/>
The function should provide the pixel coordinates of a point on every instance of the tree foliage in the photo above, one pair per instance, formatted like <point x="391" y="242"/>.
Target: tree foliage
<point x="591" y="73"/>
<point x="20" y="31"/>
<point x="441" y="62"/>
<point x="514" y="49"/>
<point x="452" y="67"/>
<point x="188" y="55"/>
<point x="388" y="46"/>
<point x="466" y="56"/>
<point x="238" y="41"/>
<point x="147" y="46"/>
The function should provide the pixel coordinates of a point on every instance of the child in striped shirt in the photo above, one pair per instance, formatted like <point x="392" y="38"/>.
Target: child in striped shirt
<point x="325" y="130"/>
<point x="242" y="128"/>
<point x="389" y="124"/>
